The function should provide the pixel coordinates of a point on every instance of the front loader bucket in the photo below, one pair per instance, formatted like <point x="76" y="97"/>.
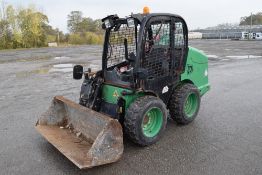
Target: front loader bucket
<point x="86" y="137"/>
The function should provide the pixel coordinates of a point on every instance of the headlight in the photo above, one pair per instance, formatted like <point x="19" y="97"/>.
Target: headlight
<point x="108" y="24"/>
<point x="130" y="22"/>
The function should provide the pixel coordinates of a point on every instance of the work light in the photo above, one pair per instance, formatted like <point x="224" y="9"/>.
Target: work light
<point x="130" y="22"/>
<point x="108" y="24"/>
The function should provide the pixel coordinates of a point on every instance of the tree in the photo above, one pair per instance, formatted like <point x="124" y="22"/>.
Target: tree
<point x="11" y="17"/>
<point x="87" y="24"/>
<point x="98" y="26"/>
<point x="25" y="27"/>
<point x="5" y="35"/>
<point x="256" y="19"/>
<point x="5" y="32"/>
<point x="84" y="30"/>
<point x="31" y="23"/>
<point x="74" y="21"/>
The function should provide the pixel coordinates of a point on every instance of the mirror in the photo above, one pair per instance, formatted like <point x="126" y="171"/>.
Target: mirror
<point x="78" y="72"/>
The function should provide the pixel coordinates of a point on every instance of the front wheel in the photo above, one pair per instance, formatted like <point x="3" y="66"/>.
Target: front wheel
<point x="184" y="103"/>
<point x="145" y="120"/>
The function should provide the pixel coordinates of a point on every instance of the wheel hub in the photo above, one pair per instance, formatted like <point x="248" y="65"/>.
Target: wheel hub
<point x="152" y="122"/>
<point x="191" y="105"/>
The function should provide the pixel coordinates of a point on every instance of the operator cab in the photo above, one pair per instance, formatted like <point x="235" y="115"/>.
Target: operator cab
<point x="145" y="51"/>
<point x="120" y="49"/>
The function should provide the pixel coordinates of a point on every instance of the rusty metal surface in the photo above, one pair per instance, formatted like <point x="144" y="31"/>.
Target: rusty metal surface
<point x="84" y="136"/>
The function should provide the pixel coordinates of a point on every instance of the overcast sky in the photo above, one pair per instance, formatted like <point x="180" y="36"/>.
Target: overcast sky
<point x="198" y="14"/>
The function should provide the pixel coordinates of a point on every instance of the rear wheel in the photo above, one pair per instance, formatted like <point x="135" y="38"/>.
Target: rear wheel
<point x="184" y="103"/>
<point x="145" y="120"/>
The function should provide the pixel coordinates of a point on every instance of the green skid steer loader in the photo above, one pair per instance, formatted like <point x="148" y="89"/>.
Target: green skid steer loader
<point x="148" y="71"/>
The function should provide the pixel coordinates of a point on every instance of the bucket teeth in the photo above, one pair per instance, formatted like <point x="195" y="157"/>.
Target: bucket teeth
<point x="86" y="137"/>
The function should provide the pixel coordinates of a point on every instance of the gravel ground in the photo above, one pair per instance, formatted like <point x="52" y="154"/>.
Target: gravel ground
<point x="225" y="138"/>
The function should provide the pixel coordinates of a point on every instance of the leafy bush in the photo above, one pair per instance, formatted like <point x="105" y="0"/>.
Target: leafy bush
<point x="85" y="38"/>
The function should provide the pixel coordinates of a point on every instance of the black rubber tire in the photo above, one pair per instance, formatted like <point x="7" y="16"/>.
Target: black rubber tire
<point x="134" y="118"/>
<point x="177" y="103"/>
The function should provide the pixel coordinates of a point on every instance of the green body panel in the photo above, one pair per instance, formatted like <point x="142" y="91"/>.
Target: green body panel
<point x="111" y="94"/>
<point x="196" y="70"/>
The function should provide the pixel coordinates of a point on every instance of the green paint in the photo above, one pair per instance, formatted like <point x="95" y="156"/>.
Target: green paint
<point x="191" y="105"/>
<point x="152" y="122"/>
<point x="196" y="70"/>
<point x="111" y="94"/>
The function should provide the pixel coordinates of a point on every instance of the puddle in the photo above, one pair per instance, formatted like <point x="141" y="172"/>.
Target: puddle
<point x="55" y="68"/>
<point x="65" y="70"/>
<point x="2" y="97"/>
<point x="62" y="68"/>
<point x="45" y="58"/>
<point x="62" y="65"/>
<point x="212" y="56"/>
<point x="29" y="73"/>
<point x="61" y="58"/>
<point x="240" y="57"/>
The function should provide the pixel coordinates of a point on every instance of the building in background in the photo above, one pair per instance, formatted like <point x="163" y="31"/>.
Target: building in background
<point x="232" y="32"/>
<point x="194" y="35"/>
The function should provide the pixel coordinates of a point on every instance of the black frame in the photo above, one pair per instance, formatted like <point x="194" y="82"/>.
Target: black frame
<point x="152" y="86"/>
